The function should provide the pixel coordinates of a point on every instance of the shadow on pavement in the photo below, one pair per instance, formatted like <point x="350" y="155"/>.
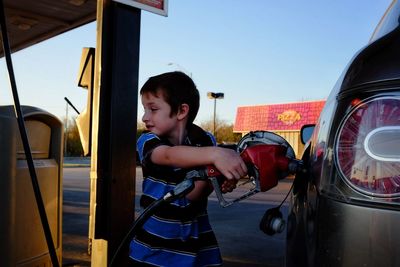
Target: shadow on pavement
<point x="239" y="237"/>
<point x="75" y="228"/>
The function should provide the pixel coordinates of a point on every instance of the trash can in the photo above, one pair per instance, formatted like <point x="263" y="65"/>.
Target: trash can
<point x="25" y="244"/>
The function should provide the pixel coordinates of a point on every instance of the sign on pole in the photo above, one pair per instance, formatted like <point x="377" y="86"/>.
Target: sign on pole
<point x="155" y="6"/>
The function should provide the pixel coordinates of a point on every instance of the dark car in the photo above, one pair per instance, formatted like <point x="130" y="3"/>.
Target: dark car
<point x="345" y="209"/>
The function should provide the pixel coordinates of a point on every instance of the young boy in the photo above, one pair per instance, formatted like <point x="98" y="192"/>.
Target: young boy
<point x="178" y="234"/>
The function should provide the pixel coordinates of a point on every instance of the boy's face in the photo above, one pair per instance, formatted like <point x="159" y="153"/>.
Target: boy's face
<point x="157" y="115"/>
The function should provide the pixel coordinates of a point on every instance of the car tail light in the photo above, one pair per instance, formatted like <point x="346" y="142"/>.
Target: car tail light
<point x="368" y="147"/>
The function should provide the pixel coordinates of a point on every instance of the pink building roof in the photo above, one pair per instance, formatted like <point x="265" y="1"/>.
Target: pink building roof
<point x="277" y="117"/>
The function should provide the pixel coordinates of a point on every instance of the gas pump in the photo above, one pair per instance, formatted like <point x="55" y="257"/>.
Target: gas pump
<point x="24" y="243"/>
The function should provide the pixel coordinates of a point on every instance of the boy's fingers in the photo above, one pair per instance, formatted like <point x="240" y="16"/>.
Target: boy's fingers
<point x="240" y="171"/>
<point x="228" y="186"/>
<point x="228" y="175"/>
<point x="236" y="174"/>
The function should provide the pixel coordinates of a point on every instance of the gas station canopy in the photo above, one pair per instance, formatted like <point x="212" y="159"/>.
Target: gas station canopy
<point x="30" y="22"/>
<point x="117" y="51"/>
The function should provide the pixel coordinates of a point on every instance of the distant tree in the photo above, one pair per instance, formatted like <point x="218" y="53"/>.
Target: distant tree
<point x="225" y="134"/>
<point x="140" y="129"/>
<point x="74" y="145"/>
<point x="223" y="130"/>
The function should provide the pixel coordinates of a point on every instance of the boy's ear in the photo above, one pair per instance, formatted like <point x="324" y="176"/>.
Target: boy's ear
<point x="183" y="111"/>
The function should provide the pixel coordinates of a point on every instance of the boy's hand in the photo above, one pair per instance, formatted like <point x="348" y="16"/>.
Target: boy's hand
<point x="228" y="185"/>
<point x="229" y="163"/>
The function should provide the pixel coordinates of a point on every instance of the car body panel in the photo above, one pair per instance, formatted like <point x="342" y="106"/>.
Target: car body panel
<point x="355" y="235"/>
<point x="329" y="222"/>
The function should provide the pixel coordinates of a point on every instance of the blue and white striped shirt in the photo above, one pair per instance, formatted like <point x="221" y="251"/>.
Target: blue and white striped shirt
<point x="179" y="233"/>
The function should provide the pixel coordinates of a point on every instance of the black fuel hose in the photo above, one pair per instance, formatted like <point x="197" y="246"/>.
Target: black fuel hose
<point x="146" y="214"/>
<point x="25" y="141"/>
<point x="181" y="190"/>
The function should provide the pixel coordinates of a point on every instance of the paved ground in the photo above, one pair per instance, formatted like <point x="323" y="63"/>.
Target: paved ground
<point x="75" y="216"/>
<point x="236" y="227"/>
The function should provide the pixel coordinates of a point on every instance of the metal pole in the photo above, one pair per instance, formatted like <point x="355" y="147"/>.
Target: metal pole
<point x="215" y="109"/>
<point x="66" y="130"/>
<point x="72" y="106"/>
<point x="113" y="158"/>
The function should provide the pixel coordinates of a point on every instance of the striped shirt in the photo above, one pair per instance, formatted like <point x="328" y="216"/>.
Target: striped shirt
<point x="179" y="233"/>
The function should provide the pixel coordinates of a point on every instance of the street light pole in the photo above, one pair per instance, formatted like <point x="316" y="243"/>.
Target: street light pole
<point x="66" y="123"/>
<point x="215" y="96"/>
<point x="66" y="130"/>
<point x="215" y="112"/>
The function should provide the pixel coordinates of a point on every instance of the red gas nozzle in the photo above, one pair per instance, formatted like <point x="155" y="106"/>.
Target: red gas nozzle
<point x="266" y="163"/>
<point x="270" y="161"/>
<point x="211" y="171"/>
<point x="269" y="158"/>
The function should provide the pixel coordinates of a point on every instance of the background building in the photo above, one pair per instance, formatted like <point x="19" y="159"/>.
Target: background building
<point x="283" y="119"/>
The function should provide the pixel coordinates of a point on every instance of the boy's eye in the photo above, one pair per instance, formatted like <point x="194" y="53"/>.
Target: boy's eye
<point x="150" y="109"/>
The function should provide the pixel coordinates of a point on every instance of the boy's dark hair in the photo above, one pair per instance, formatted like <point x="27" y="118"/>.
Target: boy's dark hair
<point x="177" y="89"/>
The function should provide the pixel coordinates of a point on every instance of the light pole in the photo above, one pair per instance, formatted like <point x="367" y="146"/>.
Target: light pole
<point x="66" y="129"/>
<point x="215" y="96"/>
<point x="181" y="68"/>
<point x="66" y="123"/>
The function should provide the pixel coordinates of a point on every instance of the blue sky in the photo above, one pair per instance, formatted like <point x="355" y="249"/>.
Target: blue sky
<point x="256" y="52"/>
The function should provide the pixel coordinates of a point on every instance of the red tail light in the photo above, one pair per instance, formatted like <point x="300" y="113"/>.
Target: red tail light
<point x="368" y="147"/>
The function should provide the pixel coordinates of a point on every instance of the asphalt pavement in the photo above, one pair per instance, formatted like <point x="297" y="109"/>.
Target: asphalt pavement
<point x="236" y="227"/>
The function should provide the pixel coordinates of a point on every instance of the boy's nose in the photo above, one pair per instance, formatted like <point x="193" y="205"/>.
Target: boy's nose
<point x="144" y="117"/>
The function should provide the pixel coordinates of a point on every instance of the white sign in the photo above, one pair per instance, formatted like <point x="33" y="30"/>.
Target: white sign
<point x="155" y="6"/>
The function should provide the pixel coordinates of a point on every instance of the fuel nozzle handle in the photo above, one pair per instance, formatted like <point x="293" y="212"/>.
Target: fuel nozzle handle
<point x="218" y="192"/>
<point x="216" y="178"/>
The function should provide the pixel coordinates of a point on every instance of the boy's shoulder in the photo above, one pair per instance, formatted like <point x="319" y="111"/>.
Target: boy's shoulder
<point x="144" y="138"/>
<point x="147" y="136"/>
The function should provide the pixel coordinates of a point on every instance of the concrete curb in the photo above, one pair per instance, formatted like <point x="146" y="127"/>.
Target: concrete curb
<point x="75" y="165"/>
<point x="71" y="162"/>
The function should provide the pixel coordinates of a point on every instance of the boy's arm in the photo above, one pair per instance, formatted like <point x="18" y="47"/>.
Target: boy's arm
<point x="227" y="161"/>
